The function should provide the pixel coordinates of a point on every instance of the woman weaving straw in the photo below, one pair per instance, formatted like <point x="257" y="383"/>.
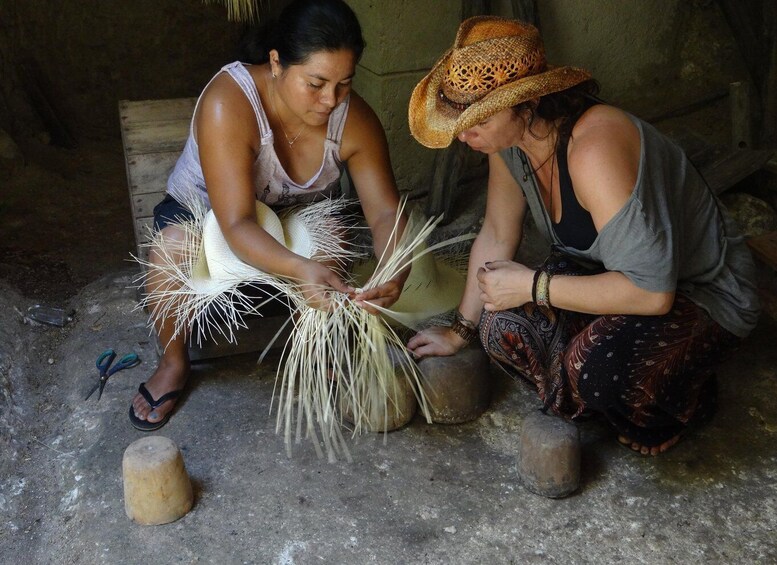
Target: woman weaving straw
<point x="648" y="284"/>
<point x="260" y="132"/>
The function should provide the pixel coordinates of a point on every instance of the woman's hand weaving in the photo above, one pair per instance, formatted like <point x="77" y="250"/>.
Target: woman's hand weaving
<point x="504" y="284"/>
<point x="383" y="296"/>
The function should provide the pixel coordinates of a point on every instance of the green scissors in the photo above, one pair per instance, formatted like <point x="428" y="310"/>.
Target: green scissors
<point x="103" y="364"/>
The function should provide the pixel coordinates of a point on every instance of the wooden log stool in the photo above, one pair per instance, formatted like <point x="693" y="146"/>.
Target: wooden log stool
<point x="457" y="387"/>
<point x="157" y="489"/>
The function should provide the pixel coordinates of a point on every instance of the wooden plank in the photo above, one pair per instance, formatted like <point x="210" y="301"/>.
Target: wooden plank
<point x="142" y="227"/>
<point x="138" y="111"/>
<point x="741" y="103"/>
<point x="771" y="165"/>
<point x="764" y="248"/>
<point x="154" y="137"/>
<point x="143" y="204"/>
<point x="722" y="167"/>
<point x="148" y="172"/>
<point x="733" y="167"/>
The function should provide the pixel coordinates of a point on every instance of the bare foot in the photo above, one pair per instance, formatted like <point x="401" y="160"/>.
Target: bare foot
<point x="645" y="450"/>
<point x="170" y="375"/>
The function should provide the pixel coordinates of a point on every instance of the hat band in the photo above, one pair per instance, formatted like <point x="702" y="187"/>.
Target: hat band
<point x="459" y="106"/>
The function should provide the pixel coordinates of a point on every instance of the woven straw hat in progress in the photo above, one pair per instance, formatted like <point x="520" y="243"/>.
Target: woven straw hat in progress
<point x="494" y="64"/>
<point x="346" y="343"/>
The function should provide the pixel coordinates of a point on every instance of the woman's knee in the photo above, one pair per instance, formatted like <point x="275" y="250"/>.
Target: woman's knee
<point x="171" y="245"/>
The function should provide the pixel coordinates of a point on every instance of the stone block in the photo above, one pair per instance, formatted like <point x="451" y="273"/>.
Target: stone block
<point x="387" y="411"/>
<point x="406" y="35"/>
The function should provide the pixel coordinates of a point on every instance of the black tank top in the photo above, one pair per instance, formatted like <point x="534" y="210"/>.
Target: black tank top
<point x="576" y="228"/>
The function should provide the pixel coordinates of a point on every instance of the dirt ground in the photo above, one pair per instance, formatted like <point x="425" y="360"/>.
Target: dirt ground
<point x="64" y="219"/>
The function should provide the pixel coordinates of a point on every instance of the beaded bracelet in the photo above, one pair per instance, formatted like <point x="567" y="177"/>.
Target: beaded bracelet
<point x="462" y="327"/>
<point x="543" y="289"/>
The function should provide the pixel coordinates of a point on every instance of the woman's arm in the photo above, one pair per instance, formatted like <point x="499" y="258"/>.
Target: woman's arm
<point x="228" y="140"/>
<point x="500" y="235"/>
<point x="498" y="240"/>
<point x="604" y="155"/>
<point x="366" y="151"/>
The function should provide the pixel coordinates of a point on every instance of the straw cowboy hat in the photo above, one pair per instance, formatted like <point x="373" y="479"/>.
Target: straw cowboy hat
<point x="494" y="64"/>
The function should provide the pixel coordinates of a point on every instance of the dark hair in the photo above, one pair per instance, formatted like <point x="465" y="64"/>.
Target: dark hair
<point x="304" y="27"/>
<point x="566" y="105"/>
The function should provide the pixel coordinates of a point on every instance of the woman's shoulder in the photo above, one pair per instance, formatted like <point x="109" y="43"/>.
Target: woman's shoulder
<point x="223" y="101"/>
<point x="359" y="111"/>
<point x="603" y="133"/>
<point x="361" y="126"/>
<point x="605" y="121"/>
<point x="604" y="159"/>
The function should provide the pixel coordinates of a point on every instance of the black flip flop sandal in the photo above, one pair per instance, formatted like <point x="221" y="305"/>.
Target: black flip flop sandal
<point x="145" y="425"/>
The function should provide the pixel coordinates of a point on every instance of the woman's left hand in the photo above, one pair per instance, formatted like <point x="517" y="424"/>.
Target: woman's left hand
<point x="384" y="296"/>
<point x="504" y="284"/>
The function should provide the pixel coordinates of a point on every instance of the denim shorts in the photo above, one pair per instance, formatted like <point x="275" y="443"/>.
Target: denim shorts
<point x="170" y="211"/>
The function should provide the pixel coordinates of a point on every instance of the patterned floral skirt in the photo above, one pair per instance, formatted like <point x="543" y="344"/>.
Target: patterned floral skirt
<point x="650" y="376"/>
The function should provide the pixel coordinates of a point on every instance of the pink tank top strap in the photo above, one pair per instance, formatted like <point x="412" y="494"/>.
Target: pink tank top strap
<point x="334" y="131"/>
<point x="245" y="81"/>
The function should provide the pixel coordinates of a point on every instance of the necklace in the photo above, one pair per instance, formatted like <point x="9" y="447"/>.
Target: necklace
<point x="527" y="170"/>
<point x="550" y="195"/>
<point x="289" y="140"/>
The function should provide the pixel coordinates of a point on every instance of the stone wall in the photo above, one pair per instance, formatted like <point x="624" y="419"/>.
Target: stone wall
<point x="85" y="56"/>
<point x="404" y="39"/>
<point x="650" y="57"/>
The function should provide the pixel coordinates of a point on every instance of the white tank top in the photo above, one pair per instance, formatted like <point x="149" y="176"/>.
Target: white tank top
<point x="273" y="185"/>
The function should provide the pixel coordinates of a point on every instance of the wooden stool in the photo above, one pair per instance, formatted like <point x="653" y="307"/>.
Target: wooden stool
<point x="389" y="413"/>
<point x="549" y="460"/>
<point x="157" y="489"/>
<point x="458" y="387"/>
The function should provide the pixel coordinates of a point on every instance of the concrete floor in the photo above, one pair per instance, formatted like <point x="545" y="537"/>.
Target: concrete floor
<point x="428" y="494"/>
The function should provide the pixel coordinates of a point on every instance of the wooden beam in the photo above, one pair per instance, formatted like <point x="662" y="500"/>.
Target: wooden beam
<point x="741" y="104"/>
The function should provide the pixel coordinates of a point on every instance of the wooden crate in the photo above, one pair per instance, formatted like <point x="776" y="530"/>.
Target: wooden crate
<point x="153" y="133"/>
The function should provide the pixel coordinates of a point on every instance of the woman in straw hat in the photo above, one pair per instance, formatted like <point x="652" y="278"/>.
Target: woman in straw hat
<point x="647" y="284"/>
<point x="279" y="132"/>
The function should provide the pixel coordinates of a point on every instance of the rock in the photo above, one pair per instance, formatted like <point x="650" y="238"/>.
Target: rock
<point x="157" y="489"/>
<point x="458" y="387"/>
<point x="549" y="458"/>
<point x="753" y="215"/>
